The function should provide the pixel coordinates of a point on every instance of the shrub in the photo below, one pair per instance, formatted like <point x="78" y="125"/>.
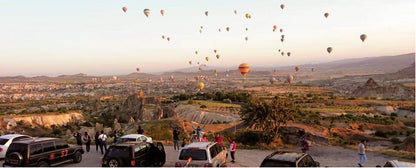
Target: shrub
<point x="203" y="106"/>
<point x="380" y="134"/>
<point x="395" y="140"/>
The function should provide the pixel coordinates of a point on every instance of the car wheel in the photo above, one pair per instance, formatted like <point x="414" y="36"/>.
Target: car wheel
<point x="77" y="157"/>
<point x="158" y="164"/>
<point x="113" y="163"/>
<point x="43" y="164"/>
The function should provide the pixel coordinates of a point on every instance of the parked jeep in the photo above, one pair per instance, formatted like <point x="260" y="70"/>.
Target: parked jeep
<point x="42" y="152"/>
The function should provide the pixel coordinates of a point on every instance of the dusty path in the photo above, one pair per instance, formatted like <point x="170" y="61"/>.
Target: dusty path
<point x="327" y="156"/>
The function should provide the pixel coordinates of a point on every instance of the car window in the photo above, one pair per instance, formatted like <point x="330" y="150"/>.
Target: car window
<point x="60" y="144"/>
<point x="35" y="149"/>
<point x="49" y="146"/>
<point x="143" y="138"/>
<point x="121" y="140"/>
<point x="219" y="149"/>
<point x="20" y="138"/>
<point x="213" y="151"/>
<point x="3" y="141"/>
<point x="140" y="149"/>
<point x="160" y="146"/>
<point x="16" y="147"/>
<point x="119" y="151"/>
<point x="196" y="154"/>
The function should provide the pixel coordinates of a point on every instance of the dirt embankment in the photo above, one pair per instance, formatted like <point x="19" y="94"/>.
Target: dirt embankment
<point x="41" y="119"/>
<point x="191" y="113"/>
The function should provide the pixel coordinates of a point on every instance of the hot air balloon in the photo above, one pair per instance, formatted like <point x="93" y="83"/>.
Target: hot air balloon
<point x="289" y="79"/>
<point x="200" y="31"/>
<point x="244" y="68"/>
<point x="115" y="77"/>
<point x="283" y="53"/>
<point x="201" y="85"/>
<point x="196" y="52"/>
<point x="326" y="15"/>
<point x="146" y="12"/>
<point x="312" y="69"/>
<point x="283" y="36"/>
<point x="288" y="54"/>
<point x="202" y="27"/>
<point x="200" y="68"/>
<point x="329" y="49"/>
<point x="190" y="62"/>
<point x="282" y="6"/>
<point x="235" y="11"/>
<point x="215" y="51"/>
<point x="282" y="39"/>
<point x="168" y="38"/>
<point x="278" y="50"/>
<point x="125" y="9"/>
<point x="297" y="69"/>
<point x="198" y="62"/>
<point x="137" y="69"/>
<point x="218" y="56"/>
<point x="206" y="13"/>
<point x="207" y="58"/>
<point x="274" y="28"/>
<point x="248" y="16"/>
<point x="246" y="38"/>
<point x="227" y="28"/>
<point x="163" y="36"/>
<point x="246" y="29"/>
<point x="215" y="71"/>
<point x="271" y="80"/>
<point x="219" y="30"/>
<point x="281" y="30"/>
<point x="363" y="37"/>
<point x="162" y="12"/>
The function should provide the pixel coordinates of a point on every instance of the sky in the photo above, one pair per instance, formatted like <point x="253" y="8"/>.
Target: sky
<point x="95" y="37"/>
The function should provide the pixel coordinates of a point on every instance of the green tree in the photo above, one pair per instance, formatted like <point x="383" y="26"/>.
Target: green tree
<point x="268" y="115"/>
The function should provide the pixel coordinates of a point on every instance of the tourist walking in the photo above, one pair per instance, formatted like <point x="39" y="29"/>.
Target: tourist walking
<point x="361" y="152"/>
<point x="87" y="140"/>
<point x="305" y="145"/>
<point x="97" y="142"/>
<point x="233" y="146"/>
<point x="175" y="139"/>
<point x="103" y="141"/>
<point x="77" y="135"/>
<point x="140" y="130"/>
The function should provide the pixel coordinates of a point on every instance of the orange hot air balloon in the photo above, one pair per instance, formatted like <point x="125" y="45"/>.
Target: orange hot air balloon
<point x="246" y="38"/>
<point x="168" y="38"/>
<point x="363" y="37"/>
<point x="289" y="79"/>
<point x="297" y="69"/>
<point x="274" y="28"/>
<point x="218" y="56"/>
<point x="282" y="6"/>
<point x="201" y="85"/>
<point x="215" y="51"/>
<point x="281" y="30"/>
<point x="288" y="54"/>
<point x="146" y="12"/>
<point x="206" y="13"/>
<point x="196" y="52"/>
<point x="200" y="31"/>
<point x="190" y="62"/>
<point x="228" y="29"/>
<point x="207" y="58"/>
<point x="244" y="68"/>
<point x="162" y="12"/>
<point x="235" y="11"/>
<point x="163" y="36"/>
<point x="326" y="15"/>
<point x="125" y="9"/>
<point x="329" y="49"/>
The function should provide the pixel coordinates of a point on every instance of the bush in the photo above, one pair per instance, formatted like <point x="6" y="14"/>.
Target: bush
<point x="203" y="106"/>
<point x="395" y="140"/>
<point x="249" y="137"/>
<point x="380" y="134"/>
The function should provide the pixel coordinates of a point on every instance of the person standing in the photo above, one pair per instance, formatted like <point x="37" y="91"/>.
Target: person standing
<point x="305" y="145"/>
<point x="183" y="142"/>
<point x="77" y="135"/>
<point x="218" y="139"/>
<point x="198" y="131"/>
<point x="87" y="140"/>
<point x="103" y="143"/>
<point x="233" y="146"/>
<point x="97" y="142"/>
<point x="116" y="136"/>
<point x="204" y="138"/>
<point x="175" y="139"/>
<point x="140" y="130"/>
<point x="361" y="152"/>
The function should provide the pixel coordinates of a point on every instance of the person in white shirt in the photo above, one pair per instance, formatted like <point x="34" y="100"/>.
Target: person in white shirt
<point x="361" y="153"/>
<point x="103" y="143"/>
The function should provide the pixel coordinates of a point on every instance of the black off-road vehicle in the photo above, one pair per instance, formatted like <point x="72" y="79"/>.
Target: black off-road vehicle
<point x="289" y="159"/>
<point x="42" y="152"/>
<point x="135" y="154"/>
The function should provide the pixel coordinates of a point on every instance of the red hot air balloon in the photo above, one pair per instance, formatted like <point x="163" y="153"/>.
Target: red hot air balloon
<point x="297" y="69"/>
<point x="281" y="30"/>
<point x="125" y="9"/>
<point x="244" y="68"/>
<point x="137" y="69"/>
<point x="228" y="29"/>
<point x="326" y="15"/>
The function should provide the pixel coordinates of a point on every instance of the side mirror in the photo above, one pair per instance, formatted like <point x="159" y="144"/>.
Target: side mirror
<point x="317" y="164"/>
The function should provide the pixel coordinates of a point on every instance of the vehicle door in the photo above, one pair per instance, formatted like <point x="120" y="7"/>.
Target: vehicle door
<point x="49" y="150"/>
<point x="35" y="152"/>
<point x="140" y="154"/>
<point x="62" y="151"/>
<point x="161" y="155"/>
<point x="215" y="159"/>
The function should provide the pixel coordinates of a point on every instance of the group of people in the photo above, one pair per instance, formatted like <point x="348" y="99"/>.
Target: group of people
<point x="198" y="137"/>
<point x="100" y="141"/>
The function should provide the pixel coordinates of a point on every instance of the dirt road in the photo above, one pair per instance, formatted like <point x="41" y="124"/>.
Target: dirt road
<point x="327" y="156"/>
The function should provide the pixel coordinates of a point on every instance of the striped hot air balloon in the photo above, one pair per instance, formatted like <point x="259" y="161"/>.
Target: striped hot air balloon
<point x="244" y="68"/>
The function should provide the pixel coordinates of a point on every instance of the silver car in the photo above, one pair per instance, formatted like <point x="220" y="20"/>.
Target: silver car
<point x="202" y="154"/>
<point x="134" y="137"/>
